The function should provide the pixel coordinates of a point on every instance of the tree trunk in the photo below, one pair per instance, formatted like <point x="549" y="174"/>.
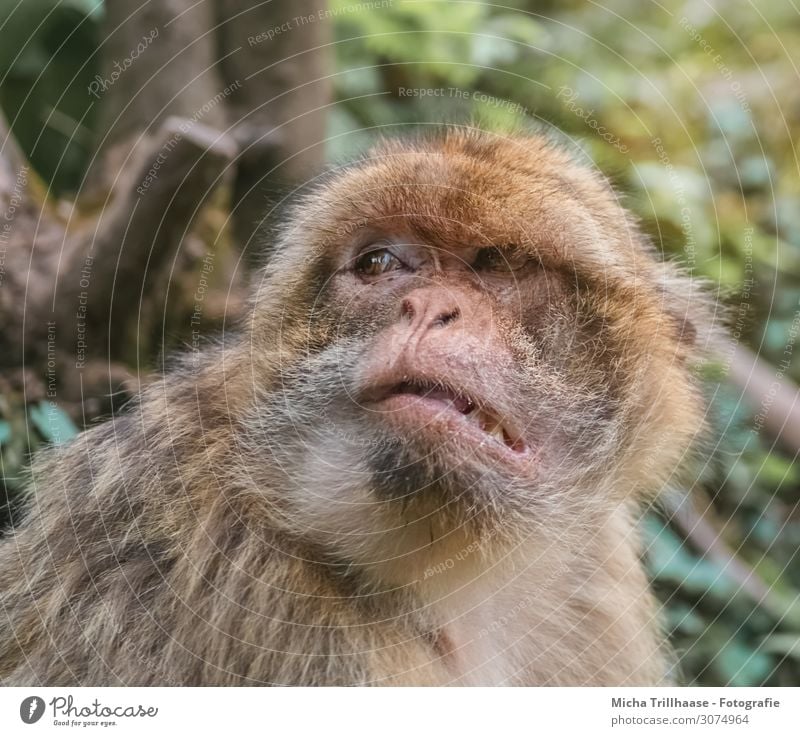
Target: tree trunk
<point x="158" y="61"/>
<point x="64" y="285"/>
<point x="84" y="288"/>
<point x="278" y="57"/>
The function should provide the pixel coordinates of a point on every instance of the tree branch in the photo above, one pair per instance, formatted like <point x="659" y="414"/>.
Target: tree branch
<point x="158" y="60"/>
<point x="107" y="269"/>
<point x="769" y="392"/>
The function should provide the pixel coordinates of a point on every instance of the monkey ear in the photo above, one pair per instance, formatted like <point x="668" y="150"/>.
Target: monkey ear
<point x="688" y="305"/>
<point x="685" y="329"/>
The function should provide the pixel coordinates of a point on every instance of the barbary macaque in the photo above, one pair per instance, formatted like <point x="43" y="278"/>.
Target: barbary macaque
<point x="421" y="461"/>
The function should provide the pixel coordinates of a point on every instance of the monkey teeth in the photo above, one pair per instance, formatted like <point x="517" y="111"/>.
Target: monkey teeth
<point x="466" y="407"/>
<point x="492" y="427"/>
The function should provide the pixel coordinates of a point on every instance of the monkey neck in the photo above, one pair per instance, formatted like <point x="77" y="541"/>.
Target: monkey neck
<point x="447" y="567"/>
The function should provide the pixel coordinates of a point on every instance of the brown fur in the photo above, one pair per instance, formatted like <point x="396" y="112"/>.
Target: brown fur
<point x="225" y="532"/>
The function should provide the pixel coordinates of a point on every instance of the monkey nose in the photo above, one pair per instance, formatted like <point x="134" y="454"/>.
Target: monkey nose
<point x="427" y="308"/>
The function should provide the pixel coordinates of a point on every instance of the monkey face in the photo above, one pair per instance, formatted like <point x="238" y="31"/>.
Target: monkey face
<point x="445" y="382"/>
<point x="479" y="335"/>
<point x="459" y="362"/>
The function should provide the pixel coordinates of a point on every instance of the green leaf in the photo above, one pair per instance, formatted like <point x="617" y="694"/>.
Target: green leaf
<point x="786" y="645"/>
<point x="52" y="422"/>
<point x="741" y="666"/>
<point x="669" y="561"/>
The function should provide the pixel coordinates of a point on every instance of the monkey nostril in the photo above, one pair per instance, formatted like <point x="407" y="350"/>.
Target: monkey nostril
<point x="445" y="319"/>
<point x="428" y="311"/>
<point x="407" y="309"/>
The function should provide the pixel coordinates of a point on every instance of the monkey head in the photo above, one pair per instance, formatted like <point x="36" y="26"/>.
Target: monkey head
<point x="466" y="335"/>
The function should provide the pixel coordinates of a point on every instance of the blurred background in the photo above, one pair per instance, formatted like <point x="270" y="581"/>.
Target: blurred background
<point x="145" y="147"/>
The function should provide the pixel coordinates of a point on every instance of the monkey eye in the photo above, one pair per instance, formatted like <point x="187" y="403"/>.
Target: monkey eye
<point x="377" y="262"/>
<point x="492" y="258"/>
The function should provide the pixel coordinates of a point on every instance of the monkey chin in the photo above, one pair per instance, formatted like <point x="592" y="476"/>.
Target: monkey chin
<point x="452" y="476"/>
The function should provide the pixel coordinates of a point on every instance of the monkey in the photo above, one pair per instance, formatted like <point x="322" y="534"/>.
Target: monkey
<point x="420" y="461"/>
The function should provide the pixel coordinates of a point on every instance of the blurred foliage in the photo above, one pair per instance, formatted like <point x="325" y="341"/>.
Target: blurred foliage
<point x="23" y="430"/>
<point x="47" y="60"/>
<point x="692" y="113"/>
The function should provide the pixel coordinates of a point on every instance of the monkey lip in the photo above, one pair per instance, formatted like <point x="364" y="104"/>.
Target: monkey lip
<point x="442" y="402"/>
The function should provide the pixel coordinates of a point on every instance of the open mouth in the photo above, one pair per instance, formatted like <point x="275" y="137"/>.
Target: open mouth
<point x="442" y="398"/>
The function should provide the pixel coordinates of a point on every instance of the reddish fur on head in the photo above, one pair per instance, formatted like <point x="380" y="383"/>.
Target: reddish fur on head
<point x="633" y="324"/>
